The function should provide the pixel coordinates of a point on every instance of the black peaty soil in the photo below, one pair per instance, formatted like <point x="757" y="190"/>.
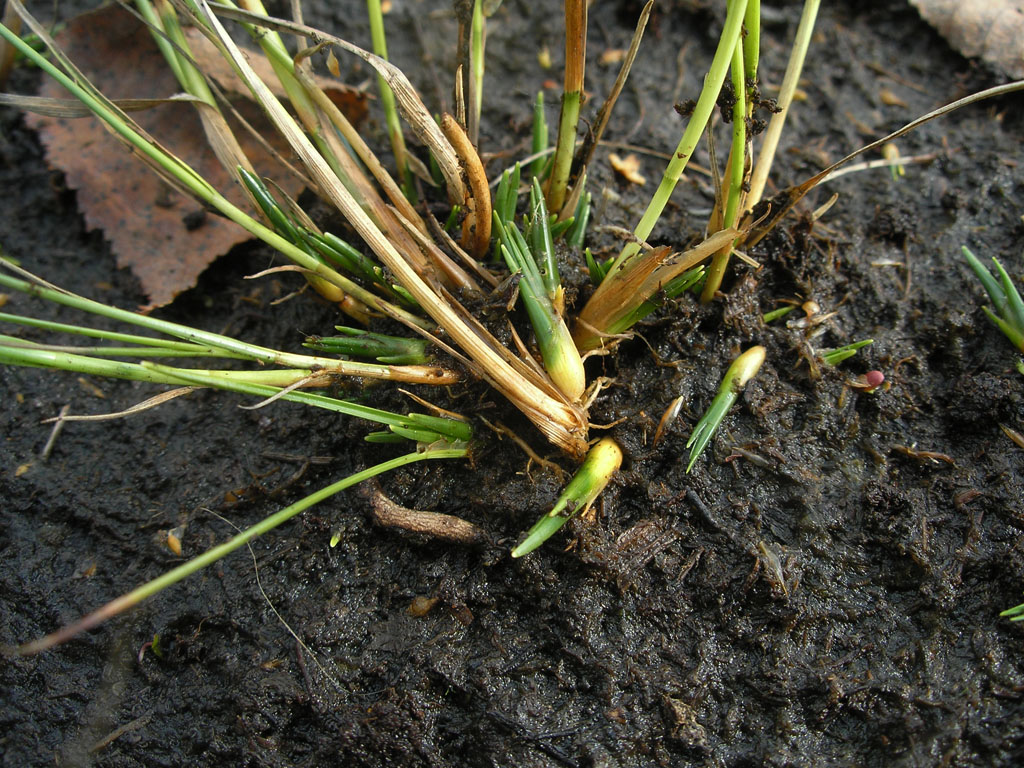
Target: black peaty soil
<point x="818" y="591"/>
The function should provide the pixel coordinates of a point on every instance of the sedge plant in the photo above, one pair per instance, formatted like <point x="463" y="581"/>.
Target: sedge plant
<point x="397" y="264"/>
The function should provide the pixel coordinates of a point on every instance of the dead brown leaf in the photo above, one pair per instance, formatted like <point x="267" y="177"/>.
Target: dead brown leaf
<point x="349" y="100"/>
<point x="166" y="239"/>
<point x="991" y="29"/>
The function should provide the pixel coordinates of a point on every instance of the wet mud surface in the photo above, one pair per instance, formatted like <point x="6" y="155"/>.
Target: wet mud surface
<point x="823" y="589"/>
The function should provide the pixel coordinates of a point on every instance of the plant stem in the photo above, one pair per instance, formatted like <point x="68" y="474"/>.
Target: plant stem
<point x="737" y="170"/>
<point x="572" y="97"/>
<point x="227" y="344"/>
<point x="179" y="348"/>
<point x="540" y="137"/>
<point x="694" y="129"/>
<point x="387" y="96"/>
<point x="770" y="142"/>
<point x="751" y="48"/>
<point x="477" y="41"/>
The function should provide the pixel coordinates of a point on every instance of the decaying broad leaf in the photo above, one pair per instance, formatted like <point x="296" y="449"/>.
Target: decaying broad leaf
<point x="628" y="167"/>
<point x="349" y="100"/>
<point x="166" y="239"/>
<point x="991" y="29"/>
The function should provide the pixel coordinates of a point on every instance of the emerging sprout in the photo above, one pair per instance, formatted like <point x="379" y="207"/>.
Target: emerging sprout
<point x="533" y="256"/>
<point x="601" y="463"/>
<point x="1017" y="612"/>
<point x="1009" y="314"/>
<point x="868" y="382"/>
<point x="835" y="356"/>
<point x="742" y="370"/>
<point x="775" y="314"/>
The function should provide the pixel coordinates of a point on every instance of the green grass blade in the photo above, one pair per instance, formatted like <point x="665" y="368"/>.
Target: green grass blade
<point x="708" y="425"/>
<point x="1013" y="310"/>
<point x="1015" y="336"/>
<point x="835" y="356"/>
<point x="992" y="287"/>
<point x="387" y="98"/>
<point x="540" y="137"/>
<point x="181" y="348"/>
<point x="542" y="241"/>
<point x="185" y="570"/>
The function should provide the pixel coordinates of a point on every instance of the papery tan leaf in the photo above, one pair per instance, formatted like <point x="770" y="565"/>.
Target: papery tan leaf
<point x="628" y="167"/>
<point x="991" y="29"/>
<point x="637" y="280"/>
<point x="165" y="238"/>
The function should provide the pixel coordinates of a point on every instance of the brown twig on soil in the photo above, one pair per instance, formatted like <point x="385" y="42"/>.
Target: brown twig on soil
<point x="58" y="426"/>
<point x="438" y="525"/>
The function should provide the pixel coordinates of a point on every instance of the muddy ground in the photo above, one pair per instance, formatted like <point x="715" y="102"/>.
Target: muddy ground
<point x="817" y="592"/>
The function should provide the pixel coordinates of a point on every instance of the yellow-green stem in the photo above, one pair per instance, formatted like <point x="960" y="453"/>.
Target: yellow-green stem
<point x="694" y="129"/>
<point x="387" y="96"/>
<point x="737" y="166"/>
<point x="477" y="41"/>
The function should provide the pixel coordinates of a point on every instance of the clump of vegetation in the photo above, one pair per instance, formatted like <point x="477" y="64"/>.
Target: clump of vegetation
<point x="401" y="268"/>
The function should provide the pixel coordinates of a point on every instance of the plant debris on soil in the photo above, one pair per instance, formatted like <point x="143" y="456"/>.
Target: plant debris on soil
<point x="822" y="589"/>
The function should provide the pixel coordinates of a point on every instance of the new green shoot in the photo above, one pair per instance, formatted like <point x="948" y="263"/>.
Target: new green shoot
<point x="1009" y="314"/>
<point x="742" y="370"/>
<point x="835" y="356"/>
<point x="586" y="485"/>
<point x="1014" y="614"/>
<point x="533" y="257"/>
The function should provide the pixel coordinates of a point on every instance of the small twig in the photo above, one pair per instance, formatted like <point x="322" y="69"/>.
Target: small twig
<point x="57" y="427"/>
<point x="932" y="457"/>
<point x="436" y="524"/>
<point x="303" y="382"/>
<point x="117" y="733"/>
<point x="881" y="163"/>
<point x="145" y="405"/>
<point x="1013" y="434"/>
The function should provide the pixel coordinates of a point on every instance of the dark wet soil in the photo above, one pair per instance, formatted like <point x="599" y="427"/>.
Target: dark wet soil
<point x="823" y="589"/>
